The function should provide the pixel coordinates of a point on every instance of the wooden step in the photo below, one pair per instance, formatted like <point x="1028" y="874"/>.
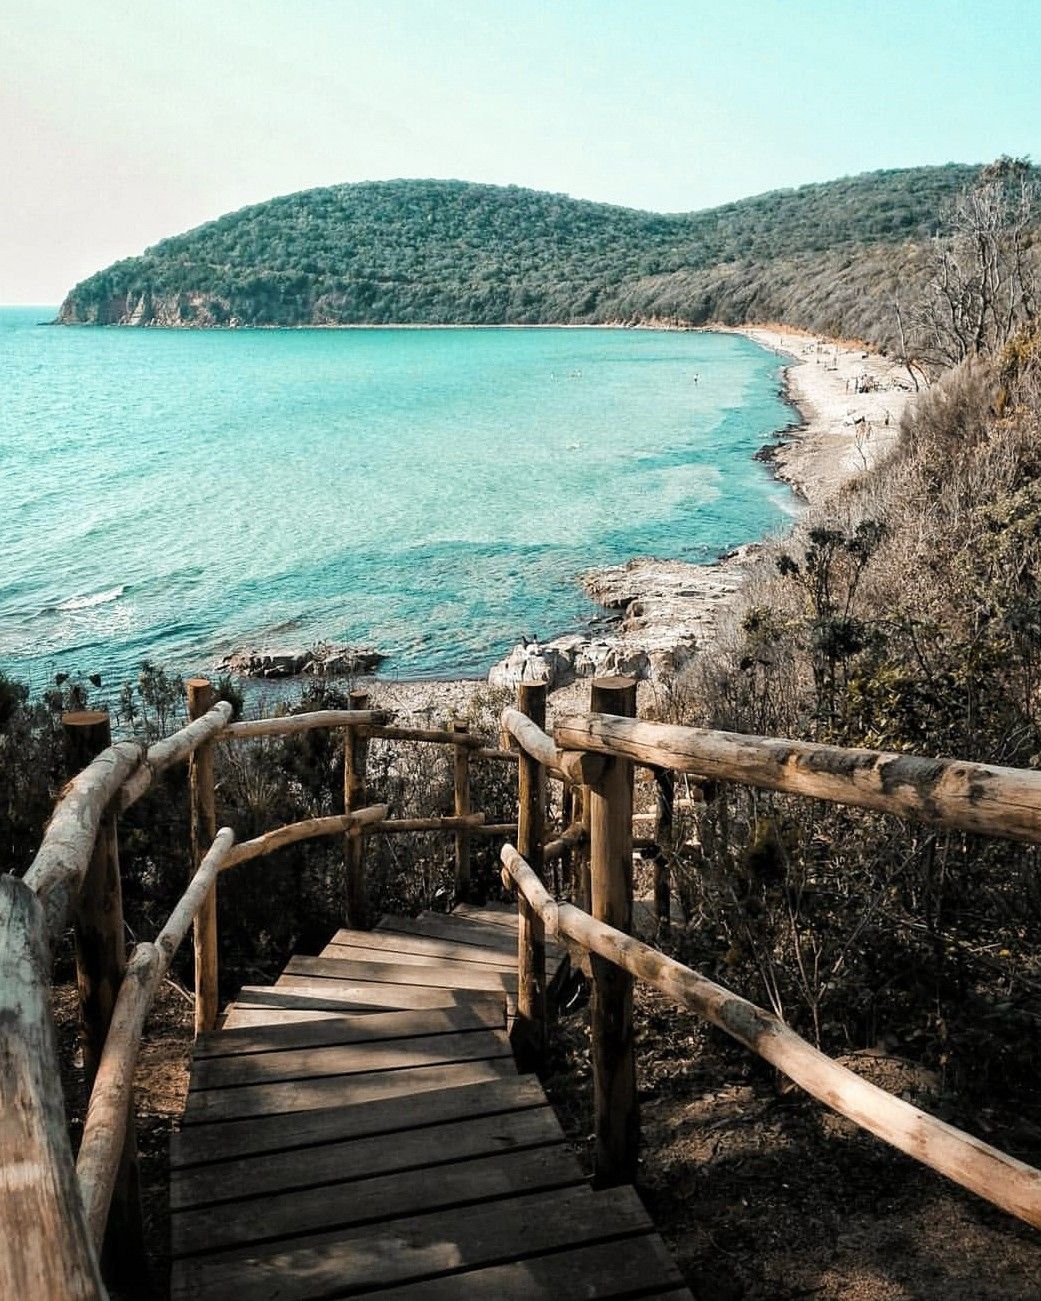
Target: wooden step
<point x="359" y="1128"/>
<point x="238" y="1016"/>
<point x="369" y="1028"/>
<point x="625" y="1267"/>
<point x="421" y="947"/>
<point x="439" y="975"/>
<point x="207" y="1105"/>
<point x="314" y="993"/>
<point x="456" y="930"/>
<point x="412" y="1248"/>
<point x="432" y="1144"/>
<point x="357" y="1201"/>
<point x="237" y="1070"/>
<point x="205" y="1144"/>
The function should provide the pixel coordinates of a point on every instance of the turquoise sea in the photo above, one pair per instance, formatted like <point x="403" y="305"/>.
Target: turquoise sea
<point x="431" y="493"/>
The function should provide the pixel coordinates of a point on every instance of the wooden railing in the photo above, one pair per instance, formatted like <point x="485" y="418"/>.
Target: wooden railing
<point x="55" y="1211"/>
<point x="974" y="797"/>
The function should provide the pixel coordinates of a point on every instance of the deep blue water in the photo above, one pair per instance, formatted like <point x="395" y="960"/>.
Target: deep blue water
<point x="432" y="493"/>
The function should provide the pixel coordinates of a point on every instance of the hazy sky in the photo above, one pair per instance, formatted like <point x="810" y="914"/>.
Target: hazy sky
<point x="124" y="122"/>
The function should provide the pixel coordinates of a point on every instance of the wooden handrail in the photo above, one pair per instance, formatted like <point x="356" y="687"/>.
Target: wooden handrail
<point x="975" y="797"/>
<point x="579" y="769"/>
<point x="104" y="1130"/>
<point x="56" y="873"/>
<point x="307" y="829"/>
<point x="984" y="1170"/>
<point x="291" y="724"/>
<point x="173" y="749"/>
<point x="45" y="1247"/>
<point x="403" y="826"/>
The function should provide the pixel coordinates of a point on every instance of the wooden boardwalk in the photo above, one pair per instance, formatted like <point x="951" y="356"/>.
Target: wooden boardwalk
<point x="360" y="1128"/>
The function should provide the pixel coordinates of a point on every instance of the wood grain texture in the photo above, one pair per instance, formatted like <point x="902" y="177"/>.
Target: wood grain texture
<point x="311" y="1063"/>
<point x="45" y="1248"/>
<point x="359" y="1158"/>
<point x="441" y="1243"/>
<point x="420" y="945"/>
<point x="350" y="1120"/>
<point x="976" y="797"/>
<point x="626" y="1267"/>
<point x="305" y="1095"/>
<point x="349" y="1029"/>
<point x="441" y="975"/>
<point x="369" y="1200"/>
<point x="616" y="1112"/>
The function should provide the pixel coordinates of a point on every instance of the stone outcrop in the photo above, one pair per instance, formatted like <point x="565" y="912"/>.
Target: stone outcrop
<point x="322" y="660"/>
<point x="665" y="611"/>
<point x="531" y="662"/>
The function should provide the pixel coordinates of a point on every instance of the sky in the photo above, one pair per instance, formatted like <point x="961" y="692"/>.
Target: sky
<point x="122" y="123"/>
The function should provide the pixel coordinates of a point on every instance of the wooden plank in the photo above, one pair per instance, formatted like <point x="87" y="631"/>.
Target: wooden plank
<point x="204" y="1144"/>
<point x="399" y="942"/>
<point x="492" y="914"/>
<point x="46" y="1250"/>
<point x="306" y="1095"/>
<point x="314" y="992"/>
<point x="350" y="1029"/>
<point x="368" y="1201"/>
<point x="447" y="926"/>
<point x="443" y="1242"/>
<point x="361" y="1158"/>
<point x="392" y="953"/>
<point x="441" y="976"/>
<point x="237" y="1017"/>
<point x="220" y="1073"/>
<point x="625" y="1267"/>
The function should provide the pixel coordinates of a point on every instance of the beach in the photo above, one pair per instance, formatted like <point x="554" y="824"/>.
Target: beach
<point x="847" y="402"/>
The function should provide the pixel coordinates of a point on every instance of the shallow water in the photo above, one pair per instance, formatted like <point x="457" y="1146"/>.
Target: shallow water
<point x="432" y="493"/>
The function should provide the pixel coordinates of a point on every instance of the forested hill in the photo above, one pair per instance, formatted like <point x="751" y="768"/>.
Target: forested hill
<point x="825" y="256"/>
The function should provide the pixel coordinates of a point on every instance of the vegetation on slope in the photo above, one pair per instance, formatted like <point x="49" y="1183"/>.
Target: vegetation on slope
<point x="824" y="256"/>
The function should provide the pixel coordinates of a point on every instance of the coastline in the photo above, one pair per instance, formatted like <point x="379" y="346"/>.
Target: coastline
<point x="848" y="402"/>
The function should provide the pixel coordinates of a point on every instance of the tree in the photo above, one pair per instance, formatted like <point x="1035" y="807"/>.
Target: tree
<point x="983" y="283"/>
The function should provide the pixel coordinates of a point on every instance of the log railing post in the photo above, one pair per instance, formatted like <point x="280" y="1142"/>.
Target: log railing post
<point x="355" y="762"/>
<point x="567" y="817"/>
<point x="611" y="878"/>
<point x="45" y="1245"/>
<point x="581" y="891"/>
<point x="202" y="794"/>
<point x="100" y="963"/>
<point x="461" y="775"/>
<point x="530" y="1027"/>
<point x="665" y="792"/>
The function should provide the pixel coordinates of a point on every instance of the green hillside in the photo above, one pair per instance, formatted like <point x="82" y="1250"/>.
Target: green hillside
<point x="452" y="252"/>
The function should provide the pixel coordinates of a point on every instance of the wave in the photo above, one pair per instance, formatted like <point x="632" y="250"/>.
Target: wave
<point x="88" y="602"/>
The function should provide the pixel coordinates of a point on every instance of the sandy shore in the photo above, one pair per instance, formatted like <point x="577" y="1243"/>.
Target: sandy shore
<point x="849" y="402"/>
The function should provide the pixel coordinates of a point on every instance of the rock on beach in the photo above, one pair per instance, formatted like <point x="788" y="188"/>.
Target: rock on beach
<point x="322" y="660"/>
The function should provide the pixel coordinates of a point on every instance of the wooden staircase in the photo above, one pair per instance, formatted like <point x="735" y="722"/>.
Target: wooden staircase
<point x="360" y="1128"/>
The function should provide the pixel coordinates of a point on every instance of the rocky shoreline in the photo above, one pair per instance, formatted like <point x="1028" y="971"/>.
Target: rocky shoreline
<point x="321" y="660"/>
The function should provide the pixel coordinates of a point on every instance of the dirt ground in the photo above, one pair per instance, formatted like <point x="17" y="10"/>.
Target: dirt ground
<point x="763" y="1194"/>
<point x="760" y="1193"/>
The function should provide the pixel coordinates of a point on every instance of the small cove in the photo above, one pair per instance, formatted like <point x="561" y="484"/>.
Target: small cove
<point x="431" y="493"/>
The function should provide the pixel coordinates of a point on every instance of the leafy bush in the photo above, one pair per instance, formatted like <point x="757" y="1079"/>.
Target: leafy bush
<point x="906" y="616"/>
